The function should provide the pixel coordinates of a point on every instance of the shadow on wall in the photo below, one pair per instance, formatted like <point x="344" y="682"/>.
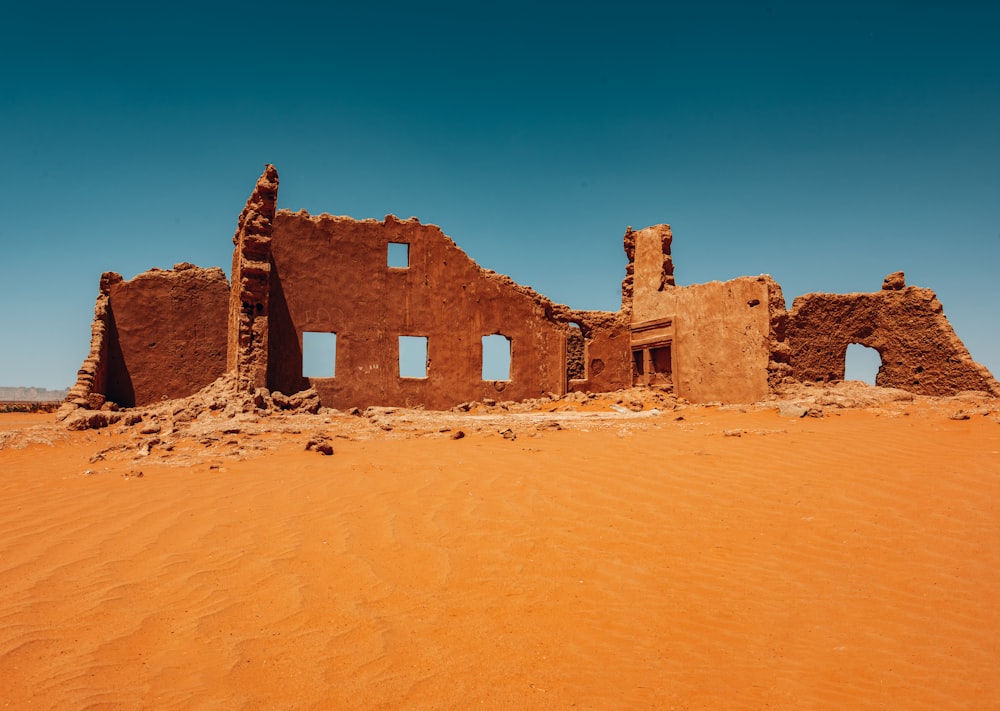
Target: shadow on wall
<point x="118" y="384"/>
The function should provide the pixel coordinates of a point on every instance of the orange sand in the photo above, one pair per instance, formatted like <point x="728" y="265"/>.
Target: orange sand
<point x="847" y="562"/>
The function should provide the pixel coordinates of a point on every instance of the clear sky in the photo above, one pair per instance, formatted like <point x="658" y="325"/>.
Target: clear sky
<point x="824" y="143"/>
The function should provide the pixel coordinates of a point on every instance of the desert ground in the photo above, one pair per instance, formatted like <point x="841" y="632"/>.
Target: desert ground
<point x="838" y="549"/>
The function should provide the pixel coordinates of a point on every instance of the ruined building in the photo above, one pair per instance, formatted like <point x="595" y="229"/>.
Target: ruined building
<point x="368" y="286"/>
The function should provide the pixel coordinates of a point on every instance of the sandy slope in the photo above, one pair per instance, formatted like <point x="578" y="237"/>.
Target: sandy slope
<point x="848" y="561"/>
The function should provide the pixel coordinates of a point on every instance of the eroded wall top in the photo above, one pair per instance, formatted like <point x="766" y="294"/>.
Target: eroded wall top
<point x="906" y="324"/>
<point x="332" y="275"/>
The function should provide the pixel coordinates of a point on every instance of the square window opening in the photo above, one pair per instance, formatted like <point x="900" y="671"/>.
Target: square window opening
<point x="398" y="255"/>
<point x="496" y="357"/>
<point x="413" y="361"/>
<point x="319" y="354"/>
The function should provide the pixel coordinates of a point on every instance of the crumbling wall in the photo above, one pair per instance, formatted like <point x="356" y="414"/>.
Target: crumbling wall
<point x="723" y="339"/>
<point x="161" y="335"/>
<point x="331" y="275"/>
<point x="650" y="268"/>
<point x="919" y="349"/>
<point x="166" y="335"/>
<point x="604" y="362"/>
<point x="722" y="345"/>
<point x="247" y="343"/>
<point x="91" y="379"/>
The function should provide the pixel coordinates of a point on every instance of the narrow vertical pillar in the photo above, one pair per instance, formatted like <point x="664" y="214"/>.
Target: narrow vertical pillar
<point x="251" y="284"/>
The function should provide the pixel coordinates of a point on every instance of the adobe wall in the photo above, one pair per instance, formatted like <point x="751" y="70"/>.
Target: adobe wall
<point x="248" y="328"/>
<point x="330" y="274"/>
<point x="721" y="344"/>
<point x="650" y="271"/>
<point x="907" y="326"/>
<point x="166" y="334"/>
<point x="725" y="336"/>
<point x="603" y="352"/>
<point x="91" y="379"/>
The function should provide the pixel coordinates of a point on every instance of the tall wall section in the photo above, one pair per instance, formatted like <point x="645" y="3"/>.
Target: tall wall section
<point x="159" y="336"/>
<point x="247" y="343"/>
<point x="88" y="392"/>
<point x="332" y="275"/>
<point x="598" y="353"/>
<point x="723" y="339"/>
<point x="167" y="336"/>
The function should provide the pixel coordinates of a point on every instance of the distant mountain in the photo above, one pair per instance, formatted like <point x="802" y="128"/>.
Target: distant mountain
<point x="25" y="394"/>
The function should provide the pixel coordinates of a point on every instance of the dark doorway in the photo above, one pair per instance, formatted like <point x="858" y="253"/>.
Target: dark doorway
<point x="653" y="365"/>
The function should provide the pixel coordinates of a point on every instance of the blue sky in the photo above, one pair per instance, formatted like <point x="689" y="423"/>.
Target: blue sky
<point x="826" y="144"/>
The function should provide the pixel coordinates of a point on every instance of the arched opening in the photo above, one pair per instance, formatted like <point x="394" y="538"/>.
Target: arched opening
<point x="861" y="363"/>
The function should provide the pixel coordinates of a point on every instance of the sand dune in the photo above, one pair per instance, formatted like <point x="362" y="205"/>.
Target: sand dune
<point x="848" y="561"/>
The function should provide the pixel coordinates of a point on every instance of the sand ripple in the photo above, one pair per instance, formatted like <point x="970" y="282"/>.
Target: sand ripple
<point x="848" y="562"/>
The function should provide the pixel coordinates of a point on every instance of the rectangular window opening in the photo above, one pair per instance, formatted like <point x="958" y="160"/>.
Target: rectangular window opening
<point x="638" y="362"/>
<point x="496" y="357"/>
<point x="398" y="255"/>
<point x="413" y="361"/>
<point x="319" y="354"/>
<point x="660" y="358"/>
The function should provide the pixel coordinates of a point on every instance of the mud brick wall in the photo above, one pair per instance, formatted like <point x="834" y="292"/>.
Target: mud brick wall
<point x="906" y="324"/>
<point x="726" y="342"/>
<point x="331" y="275"/>
<point x="166" y="334"/>
<point x="249" y="330"/>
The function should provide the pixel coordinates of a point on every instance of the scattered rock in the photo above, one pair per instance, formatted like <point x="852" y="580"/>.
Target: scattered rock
<point x="732" y="433"/>
<point x="305" y="401"/>
<point x="791" y="409"/>
<point x="508" y="434"/>
<point x="319" y="443"/>
<point x="262" y="399"/>
<point x="894" y="281"/>
<point x="457" y="434"/>
<point x="91" y="420"/>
